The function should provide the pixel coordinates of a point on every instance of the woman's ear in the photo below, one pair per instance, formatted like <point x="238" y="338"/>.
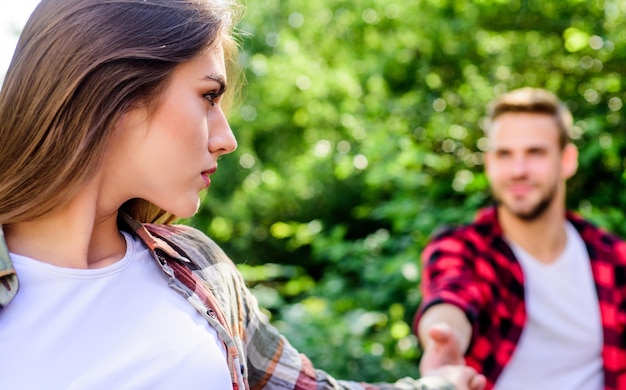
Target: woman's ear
<point x="569" y="160"/>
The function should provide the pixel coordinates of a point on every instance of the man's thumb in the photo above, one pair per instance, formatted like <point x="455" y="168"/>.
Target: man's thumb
<point x="440" y="332"/>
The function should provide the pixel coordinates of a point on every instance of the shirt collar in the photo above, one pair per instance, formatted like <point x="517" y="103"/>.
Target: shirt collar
<point x="154" y="236"/>
<point x="8" y="277"/>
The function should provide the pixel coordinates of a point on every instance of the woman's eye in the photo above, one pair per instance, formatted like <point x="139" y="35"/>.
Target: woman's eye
<point x="211" y="97"/>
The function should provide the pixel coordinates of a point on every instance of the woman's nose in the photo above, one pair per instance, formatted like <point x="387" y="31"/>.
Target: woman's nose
<point x="221" y="137"/>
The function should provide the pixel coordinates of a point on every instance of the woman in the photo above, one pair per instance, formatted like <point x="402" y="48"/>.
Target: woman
<point x="111" y="123"/>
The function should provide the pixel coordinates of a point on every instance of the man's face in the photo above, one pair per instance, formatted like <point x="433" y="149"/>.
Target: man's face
<point x="525" y="164"/>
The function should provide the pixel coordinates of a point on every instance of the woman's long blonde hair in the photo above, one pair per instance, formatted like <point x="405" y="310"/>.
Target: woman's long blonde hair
<point x="78" y="66"/>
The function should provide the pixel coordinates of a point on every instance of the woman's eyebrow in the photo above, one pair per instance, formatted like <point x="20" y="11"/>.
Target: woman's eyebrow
<point x="218" y="79"/>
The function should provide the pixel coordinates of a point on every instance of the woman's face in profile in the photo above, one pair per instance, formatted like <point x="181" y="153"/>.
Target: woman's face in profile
<point x="166" y="155"/>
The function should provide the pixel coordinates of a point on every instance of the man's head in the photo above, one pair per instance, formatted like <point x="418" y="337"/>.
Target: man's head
<point x="530" y="155"/>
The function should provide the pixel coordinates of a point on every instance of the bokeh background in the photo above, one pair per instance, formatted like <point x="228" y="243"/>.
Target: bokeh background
<point x="360" y="134"/>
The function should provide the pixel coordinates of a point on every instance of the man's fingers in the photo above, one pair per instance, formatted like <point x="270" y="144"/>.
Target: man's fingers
<point x="463" y="377"/>
<point x="478" y="382"/>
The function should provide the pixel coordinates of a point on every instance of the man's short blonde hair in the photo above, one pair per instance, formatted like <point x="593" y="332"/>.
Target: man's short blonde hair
<point x="534" y="100"/>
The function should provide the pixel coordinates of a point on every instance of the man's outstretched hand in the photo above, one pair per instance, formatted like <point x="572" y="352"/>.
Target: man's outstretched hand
<point x="443" y="348"/>
<point x="443" y="357"/>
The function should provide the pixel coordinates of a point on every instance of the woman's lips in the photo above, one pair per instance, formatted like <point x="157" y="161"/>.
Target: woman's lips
<point x="206" y="176"/>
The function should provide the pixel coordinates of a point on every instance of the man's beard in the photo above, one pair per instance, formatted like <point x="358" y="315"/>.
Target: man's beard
<point x="534" y="213"/>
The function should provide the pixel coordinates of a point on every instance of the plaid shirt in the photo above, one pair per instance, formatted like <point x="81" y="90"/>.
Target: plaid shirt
<point x="258" y="356"/>
<point x="473" y="268"/>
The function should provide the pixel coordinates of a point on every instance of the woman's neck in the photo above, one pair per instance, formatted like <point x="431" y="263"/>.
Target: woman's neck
<point x="78" y="235"/>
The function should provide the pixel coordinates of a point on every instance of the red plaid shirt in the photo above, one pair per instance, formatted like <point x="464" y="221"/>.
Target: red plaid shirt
<point x="473" y="268"/>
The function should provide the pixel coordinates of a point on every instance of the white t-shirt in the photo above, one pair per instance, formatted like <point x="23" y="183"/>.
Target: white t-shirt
<point x="561" y="345"/>
<point x="117" y="327"/>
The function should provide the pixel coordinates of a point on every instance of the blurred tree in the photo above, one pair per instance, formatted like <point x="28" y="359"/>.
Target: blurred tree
<point x="361" y="134"/>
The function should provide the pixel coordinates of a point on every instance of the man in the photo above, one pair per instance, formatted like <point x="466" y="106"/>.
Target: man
<point x="529" y="294"/>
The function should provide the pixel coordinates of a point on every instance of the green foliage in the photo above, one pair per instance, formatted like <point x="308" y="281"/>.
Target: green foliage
<point x="360" y="136"/>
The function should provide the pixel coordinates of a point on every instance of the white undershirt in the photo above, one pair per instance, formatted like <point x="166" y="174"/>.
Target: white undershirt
<point x="561" y="345"/>
<point x="117" y="327"/>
